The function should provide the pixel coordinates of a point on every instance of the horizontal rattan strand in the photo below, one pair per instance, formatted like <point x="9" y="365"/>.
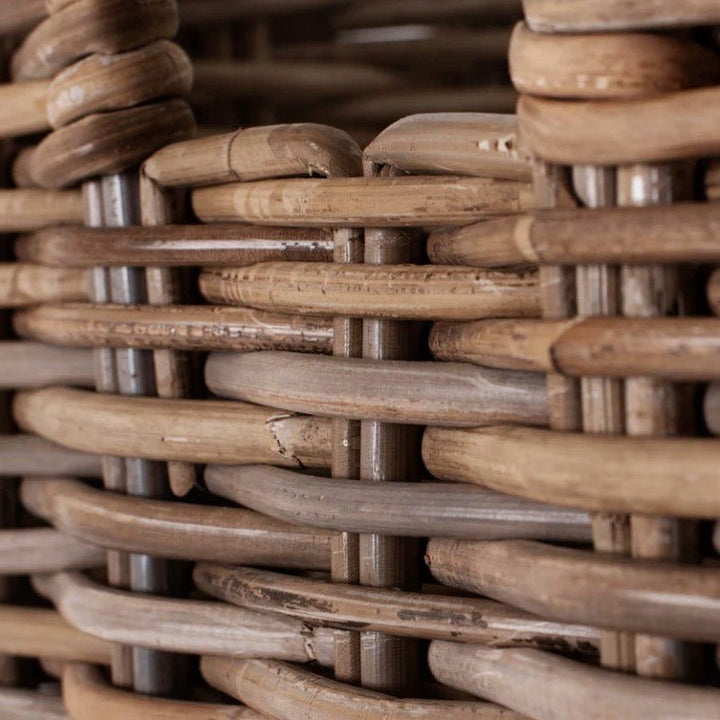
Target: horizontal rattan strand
<point x="680" y="349"/>
<point x="408" y="392"/>
<point x="286" y="692"/>
<point x="613" y="132"/>
<point x="30" y="705"/>
<point x="31" y="209"/>
<point x="37" y="632"/>
<point x="459" y="143"/>
<point x="189" y="626"/>
<point x="31" y="455"/>
<point x="543" y="685"/>
<point x="608" y="65"/>
<point x="258" y="153"/>
<point x="173" y="246"/>
<point x="174" y="327"/>
<point x="669" y="477"/>
<point x="42" y="550"/>
<point x="578" y="586"/>
<point x="88" y="696"/>
<point x="360" y="202"/>
<point x="411" y="292"/>
<point x="173" y="529"/>
<point x="554" y="16"/>
<point x="32" y="364"/>
<point x="22" y="284"/>
<point x="400" y="509"/>
<point x="400" y="12"/>
<point x="682" y="233"/>
<point x="197" y="431"/>
<point x="92" y="26"/>
<point x="421" y="615"/>
<point x="22" y="108"/>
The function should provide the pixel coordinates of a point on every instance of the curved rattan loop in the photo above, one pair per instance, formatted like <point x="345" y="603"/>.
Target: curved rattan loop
<point x="410" y="292"/>
<point x="20" y="17"/>
<point x="617" y="593"/>
<point x="285" y="692"/>
<point x="175" y="530"/>
<point x="605" y="66"/>
<point x="197" y="431"/>
<point x="102" y="83"/>
<point x="479" y="144"/>
<point x="602" y="15"/>
<point x="84" y="27"/>
<point x="31" y="209"/>
<point x="42" y="550"/>
<point x="594" y="472"/>
<point x="173" y="327"/>
<point x="30" y="455"/>
<point x="541" y="685"/>
<point x="109" y="142"/>
<point x="358" y="202"/>
<point x="22" y="284"/>
<point x="617" y="132"/>
<point x="29" y="364"/>
<point x="22" y="108"/>
<point x="403" y="509"/>
<point x="189" y="626"/>
<point x="393" y="391"/>
<point x="681" y="349"/>
<point x="421" y="615"/>
<point x="36" y="632"/>
<point x="686" y="232"/>
<point x="88" y="696"/>
<point x="174" y="246"/>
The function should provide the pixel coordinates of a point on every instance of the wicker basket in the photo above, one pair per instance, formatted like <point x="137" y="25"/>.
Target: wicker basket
<point x="347" y="393"/>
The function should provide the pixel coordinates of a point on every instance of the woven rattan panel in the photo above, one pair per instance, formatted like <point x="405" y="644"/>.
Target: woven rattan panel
<point x="332" y="388"/>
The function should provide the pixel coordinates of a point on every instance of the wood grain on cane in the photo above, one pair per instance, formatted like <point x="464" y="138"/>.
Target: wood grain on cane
<point x="88" y="696"/>
<point x="31" y="455"/>
<point x="198" y="431"/>
<point x="36" y="632"/>
<point x="543" y="686"/>
<point x="609" y="591"/>
<point x="22" y="108"/>
<point x="285" y="692"/>
<point x="30" y="364"/>
<point x="613" y="132"/>
<point x="41" y="550"/>
<point x="172" y="245"/>
<point x="175" y="530"/>
<point x="686" y="232"/>
<point x="31" y="209"/>
<point x="673" y="477"/>
<point x="392" y="391"/>
<point x="391" y="611"/>
<point x="102" y="83"/>
<point x="464" y="143"/>
<point x="411" y="292"/>
<point x="361" y="202"/>
<point x="84" y="27"/>
<point x="24" y="284"/>
<point x="301" y="149"/>
<point x="105" y="143"/>
<point x="190" y="626"/>
<point x="607" y="65"/>
<point x="403" y="509"/>
<point x="602" y="15"/>
<point x="684" y="348"/>
<point x="174" y="327"/>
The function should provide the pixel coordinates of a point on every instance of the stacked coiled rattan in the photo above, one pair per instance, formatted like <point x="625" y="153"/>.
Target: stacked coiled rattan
<point x="421" y="430"/>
